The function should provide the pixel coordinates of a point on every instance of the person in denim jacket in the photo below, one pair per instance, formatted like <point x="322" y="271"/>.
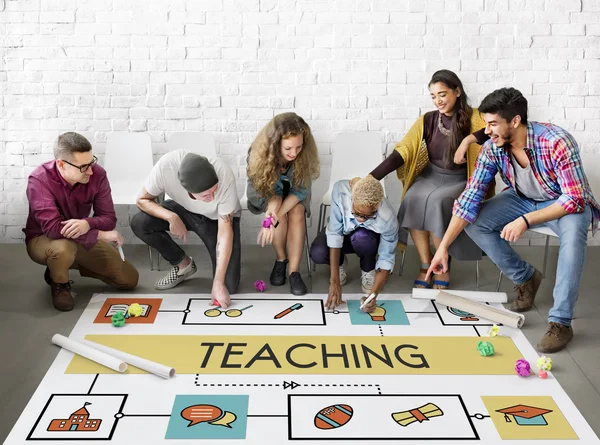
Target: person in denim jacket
<point x="362" y="221"/>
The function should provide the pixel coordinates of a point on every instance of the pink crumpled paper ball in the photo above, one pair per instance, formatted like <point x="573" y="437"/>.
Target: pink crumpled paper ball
<point x="260" y="285"/>
<point x="523" y="368"/>
<point x="267" y="222"/>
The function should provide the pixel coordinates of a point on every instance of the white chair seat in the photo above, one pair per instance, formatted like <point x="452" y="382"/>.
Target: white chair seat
<point x="327" y="196"/>
<point x="544" y="231"/>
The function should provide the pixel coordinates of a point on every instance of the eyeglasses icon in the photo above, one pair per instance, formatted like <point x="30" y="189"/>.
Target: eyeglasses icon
<point x="233" y="313"/>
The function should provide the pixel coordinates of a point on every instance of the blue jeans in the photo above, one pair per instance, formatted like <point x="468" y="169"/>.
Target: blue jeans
<point x="572" y="234"/>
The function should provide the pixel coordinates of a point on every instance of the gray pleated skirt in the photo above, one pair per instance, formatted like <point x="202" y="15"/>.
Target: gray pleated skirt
<point x="428" y="204"/>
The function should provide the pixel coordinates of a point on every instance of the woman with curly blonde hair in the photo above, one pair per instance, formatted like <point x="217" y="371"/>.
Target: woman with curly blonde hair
<point x="362" y="221"/>
<point x="282" y="163"/>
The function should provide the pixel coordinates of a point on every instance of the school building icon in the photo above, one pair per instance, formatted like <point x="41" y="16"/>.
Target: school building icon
<point x="78" y="421"/>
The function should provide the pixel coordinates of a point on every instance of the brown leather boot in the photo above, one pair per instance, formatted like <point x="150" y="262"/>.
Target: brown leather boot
<point x="526" y="293"/>
<point x="556" y="338"/>
<point x="61" y="296"/>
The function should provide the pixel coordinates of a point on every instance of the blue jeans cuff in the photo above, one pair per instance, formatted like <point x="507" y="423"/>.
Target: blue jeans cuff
<point x="562" y="321"/>
<point x="529" y="274"/>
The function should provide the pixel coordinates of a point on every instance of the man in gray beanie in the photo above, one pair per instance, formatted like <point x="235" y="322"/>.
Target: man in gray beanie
<point x="200" y="196"/>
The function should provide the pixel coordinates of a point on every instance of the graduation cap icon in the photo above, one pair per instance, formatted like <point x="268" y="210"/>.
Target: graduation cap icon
<point x="525" y="415"/>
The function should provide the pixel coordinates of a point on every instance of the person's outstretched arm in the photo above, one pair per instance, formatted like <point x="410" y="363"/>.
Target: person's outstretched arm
<point x="389" y="164"/>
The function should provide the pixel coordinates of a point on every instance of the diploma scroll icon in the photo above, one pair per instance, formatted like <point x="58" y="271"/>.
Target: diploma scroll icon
<point x="288" y="311"/>
<point x="420" y="414"/>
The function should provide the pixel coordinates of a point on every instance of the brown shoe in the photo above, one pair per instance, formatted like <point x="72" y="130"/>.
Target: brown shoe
<point x="526" y="293"/>
<point x="61" y="296"/>
<point x="556" y="338"/>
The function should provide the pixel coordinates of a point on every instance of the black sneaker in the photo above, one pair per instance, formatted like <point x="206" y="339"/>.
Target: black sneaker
<point x="278" y="273"/>
<point x="297" y="286"/>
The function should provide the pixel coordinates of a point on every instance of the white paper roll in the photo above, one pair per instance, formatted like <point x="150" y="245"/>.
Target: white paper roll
<point x="507" y="318"/>
<point x="89" y="353"/>
<point x="147" y="365"/>
<point x="484" y="297"/>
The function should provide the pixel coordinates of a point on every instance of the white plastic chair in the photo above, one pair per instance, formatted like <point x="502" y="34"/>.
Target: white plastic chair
<point x="353" y="154"/>
<point x="590" y="164"/>
<point x="128" y="163"/>
<point x="196" y="141"/>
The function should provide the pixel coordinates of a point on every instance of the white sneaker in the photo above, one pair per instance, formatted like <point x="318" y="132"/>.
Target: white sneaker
<point x="367" y="279"/>
<point x="343" y="277"/>
<point x="176" y="276"/>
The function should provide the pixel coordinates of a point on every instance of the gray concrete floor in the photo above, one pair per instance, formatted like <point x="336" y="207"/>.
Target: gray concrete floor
<point x="28" y="320"/>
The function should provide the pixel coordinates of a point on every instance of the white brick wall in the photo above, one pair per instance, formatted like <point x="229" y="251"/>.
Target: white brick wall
<point x="227" y="66"/>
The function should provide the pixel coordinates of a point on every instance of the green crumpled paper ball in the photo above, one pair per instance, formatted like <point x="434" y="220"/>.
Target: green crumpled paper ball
<point x="118" y="319"/>
<point x="485" y="348"/>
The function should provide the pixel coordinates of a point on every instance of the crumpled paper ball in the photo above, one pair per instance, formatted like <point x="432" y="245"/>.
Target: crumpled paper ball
<point x="544" y="363"/>
<point x="523" y="368"/>
<point x="543" y="374"/>
<point x="135" y="310"/>
<point x="260" y="285"/>
<point x="494" y="331"/>
<point x="118" y="319"/>
<point x="267" y="222"/>
<point x="485" y="348"/>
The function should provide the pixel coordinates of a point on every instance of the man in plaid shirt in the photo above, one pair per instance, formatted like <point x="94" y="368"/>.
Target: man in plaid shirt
<point x="547" y="186"/>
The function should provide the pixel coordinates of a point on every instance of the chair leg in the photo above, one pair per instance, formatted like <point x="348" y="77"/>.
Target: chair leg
<point x="314" y="266"/>
<point x="307" y="246"/>
<point x="477" y="275"/>
<point x="321" y="207"/>
<point x="545" y="256"/>
<point x="499" y="282"/>
<point x="150" y="257"/>
<point x="158" y="260"/>
<point x="401" y="268"/>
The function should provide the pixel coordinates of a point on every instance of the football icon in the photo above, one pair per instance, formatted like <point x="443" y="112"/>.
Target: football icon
<point x="333" y="416"/>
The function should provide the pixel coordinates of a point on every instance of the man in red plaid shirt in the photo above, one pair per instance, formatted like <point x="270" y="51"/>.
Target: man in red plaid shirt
<point x="547" y="186"/>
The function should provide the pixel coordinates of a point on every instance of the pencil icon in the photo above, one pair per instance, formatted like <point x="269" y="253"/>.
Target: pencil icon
<point x="285" y="312"/>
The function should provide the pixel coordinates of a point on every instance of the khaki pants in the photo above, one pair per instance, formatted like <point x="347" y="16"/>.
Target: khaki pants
<point x="102" y="261"/>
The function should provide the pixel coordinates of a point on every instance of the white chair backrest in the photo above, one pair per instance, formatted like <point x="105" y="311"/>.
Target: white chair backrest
<point x="591" y="166"/>
<point x="196" y="141"/>
<point x="128" y="162"/>
<point x="354" y="154"/>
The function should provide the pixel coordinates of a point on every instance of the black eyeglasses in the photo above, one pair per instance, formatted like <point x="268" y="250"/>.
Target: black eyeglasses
<point x="360" y="215"/>
<point x="85" y="167"/>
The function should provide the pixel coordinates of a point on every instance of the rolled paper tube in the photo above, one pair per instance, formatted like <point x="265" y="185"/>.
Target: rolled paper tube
<point x="147" y="365"/>
<point x="484" y="297"/>
<point x="507" y="318"/>
<point x="90" y="353"/>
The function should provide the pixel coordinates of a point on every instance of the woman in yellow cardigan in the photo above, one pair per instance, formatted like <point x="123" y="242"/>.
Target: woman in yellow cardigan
<point x="425" y="163"/>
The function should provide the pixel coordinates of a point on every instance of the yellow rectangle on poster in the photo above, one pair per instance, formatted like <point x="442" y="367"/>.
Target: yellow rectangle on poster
<point x="528" y="417"/>
<point x="243" y="354"/>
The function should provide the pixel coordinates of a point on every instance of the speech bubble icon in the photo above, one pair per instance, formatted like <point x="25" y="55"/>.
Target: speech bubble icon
<point x="201" y="413"/>
<point x="226" y="420"/>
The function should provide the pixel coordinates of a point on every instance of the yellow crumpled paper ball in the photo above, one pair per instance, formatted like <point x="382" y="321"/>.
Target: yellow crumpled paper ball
<point x="135" y="310"/>
<point x="544" y="363"/>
